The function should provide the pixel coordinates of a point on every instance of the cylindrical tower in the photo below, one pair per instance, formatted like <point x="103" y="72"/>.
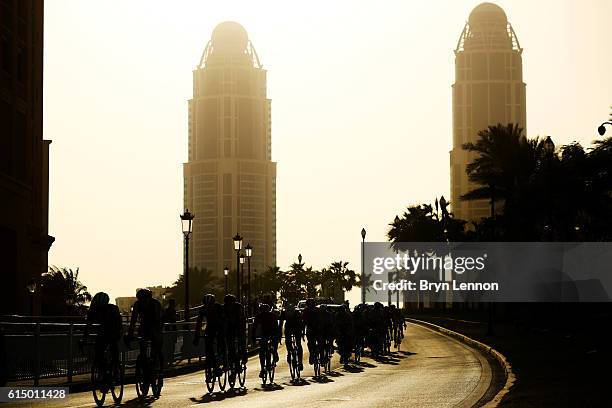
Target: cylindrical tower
<point x="488" y="90"/>
<point x="230" y="180"/>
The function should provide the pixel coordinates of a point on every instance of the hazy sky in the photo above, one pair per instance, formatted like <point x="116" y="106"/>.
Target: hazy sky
<point x="361" y="116"/>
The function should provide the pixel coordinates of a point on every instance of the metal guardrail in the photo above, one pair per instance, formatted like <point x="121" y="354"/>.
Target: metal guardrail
<point x="39" y="350"/>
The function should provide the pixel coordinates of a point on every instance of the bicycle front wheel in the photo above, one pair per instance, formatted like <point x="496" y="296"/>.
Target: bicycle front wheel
<point x="209" y="378"/>
<point x="97" y="381"/>
<point x="242" y="374"/>
<point x="117" y="388"/>
<point x="142" y="384"/>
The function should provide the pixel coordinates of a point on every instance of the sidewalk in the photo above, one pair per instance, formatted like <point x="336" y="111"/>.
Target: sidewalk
<point x="554" y="367"/>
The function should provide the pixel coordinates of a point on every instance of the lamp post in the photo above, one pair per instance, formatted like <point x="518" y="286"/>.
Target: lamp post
<point x="31" y="286"/>
<point x="242" y="258"/>
<point x="248" y="252"/>
<point x="187" y="226"/>
<point x="363" y="288"/>
<point x="226" y="273"/>
<point x="549" y="149"/>
<point x="237" y="247"/>
<point x="602" y="129"/>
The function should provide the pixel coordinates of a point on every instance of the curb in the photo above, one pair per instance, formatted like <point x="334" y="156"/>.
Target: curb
<point x="510" y="377"/>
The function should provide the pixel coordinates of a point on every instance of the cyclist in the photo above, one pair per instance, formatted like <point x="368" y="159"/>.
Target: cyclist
<point x="312" y="327"/>
<point x="215" y="327"/>
<point x="328" y="327"/>
<point x="108" y="331"/>
<point x="265" y="328"/>
<point x="346" y="334"/>
<point x="147" y="311"/>
<point x="377" y="325"/>
<point x="294" y="326"/>
<point x="398" y="323"/>
<point x="235" y="328"/>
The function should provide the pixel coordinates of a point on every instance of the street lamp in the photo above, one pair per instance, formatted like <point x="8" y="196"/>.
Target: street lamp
<point x="549" y="145"/>
<point x="300" y="259"/>
<point x="237" y="247"/>
<point x="602" y="129"/>
<point x="242" y="258"/>
<point x="226" y="273"/>
<point x="31" y="286"/>
<point x="187" y="226"/>
<point x="249" y="253"/>
<point x="363" y="288"/>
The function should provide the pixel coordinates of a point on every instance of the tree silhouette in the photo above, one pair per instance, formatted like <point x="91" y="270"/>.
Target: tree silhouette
<point x="337" y="277"/>
<point x="201" y="281"/>
<point x="63" y="293"/>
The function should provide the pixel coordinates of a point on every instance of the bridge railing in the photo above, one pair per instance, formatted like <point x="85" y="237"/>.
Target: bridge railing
<point x="41" y="349"/>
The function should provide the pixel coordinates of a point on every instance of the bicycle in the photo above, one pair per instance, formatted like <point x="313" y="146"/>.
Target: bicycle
<point x="359" y="343"/>
<point x="294" y="364"/>
<point x="236" y="367"/>
<point x="398" y="335"/>
<point x="216" y="370"/>
<point x="149" y="371"/>
<point x="106" y="375"/>
<point x="327" y="353"/>
<point x="270" y="365"/>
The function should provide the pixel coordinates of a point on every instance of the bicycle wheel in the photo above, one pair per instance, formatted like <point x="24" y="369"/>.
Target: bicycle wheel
<point x="271" y="370"/>
<point x="292" y="365"/>
<point x="222" y="379"/>
<point x="209" y="378"/>
<point x="232" y="374"/>
<point x="97" y="380"/>
<point x="117" y="387"/>
<point x="142" y="383"/>
<point x="242" y="374"/>
<point x="157" y="384"/>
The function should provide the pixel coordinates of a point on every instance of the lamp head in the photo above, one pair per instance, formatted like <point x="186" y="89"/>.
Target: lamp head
<point x="549" y="145"/>
<point x="187" y="222"/>
<point x="237" y="242"/>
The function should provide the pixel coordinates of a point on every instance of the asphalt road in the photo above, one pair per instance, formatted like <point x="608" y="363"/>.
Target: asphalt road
<point x="431" y="370"/>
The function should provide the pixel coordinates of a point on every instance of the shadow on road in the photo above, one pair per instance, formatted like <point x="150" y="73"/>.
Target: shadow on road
<point x="335" y="373"/>
<point x="298" y="382"/>
<point x="271" y="387"/>
<point x="407" y="353"/>
<point x="321" y="380"/>
<point x="137" y="402"/>
<point x="219" y="395"/>
<point x="367" y="365"/>
<point x="353" y="369"/>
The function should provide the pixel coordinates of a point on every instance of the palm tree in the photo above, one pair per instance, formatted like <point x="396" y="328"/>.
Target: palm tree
<point x="201" y="281"/>
<point x="504" y="171"/>
<point x="337" y="279"/>
<point x="63" y="293"/>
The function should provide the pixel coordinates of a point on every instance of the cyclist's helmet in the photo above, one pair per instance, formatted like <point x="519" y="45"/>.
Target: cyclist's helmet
<point x="264" y="307"/>
<point x="229" y="299"/>
<point x="99" y="299"/>
<point x="310" y="302"/>
<point x="142" y="294"/>
<point x="208" y="299"/>
<point x="392" y="307"/>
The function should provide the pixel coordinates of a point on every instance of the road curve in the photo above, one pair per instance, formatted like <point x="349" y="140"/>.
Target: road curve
<point x="432" y="370"/>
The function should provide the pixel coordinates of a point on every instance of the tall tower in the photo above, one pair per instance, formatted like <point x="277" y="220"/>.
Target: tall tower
<point x="230" y="179"/>
<point x="488" y="90"/>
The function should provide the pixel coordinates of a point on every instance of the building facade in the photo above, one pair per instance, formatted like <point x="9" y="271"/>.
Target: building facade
<point x="488" y="90"/>
<point x="230" y="179"/>
<point x="24" y="156"/>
